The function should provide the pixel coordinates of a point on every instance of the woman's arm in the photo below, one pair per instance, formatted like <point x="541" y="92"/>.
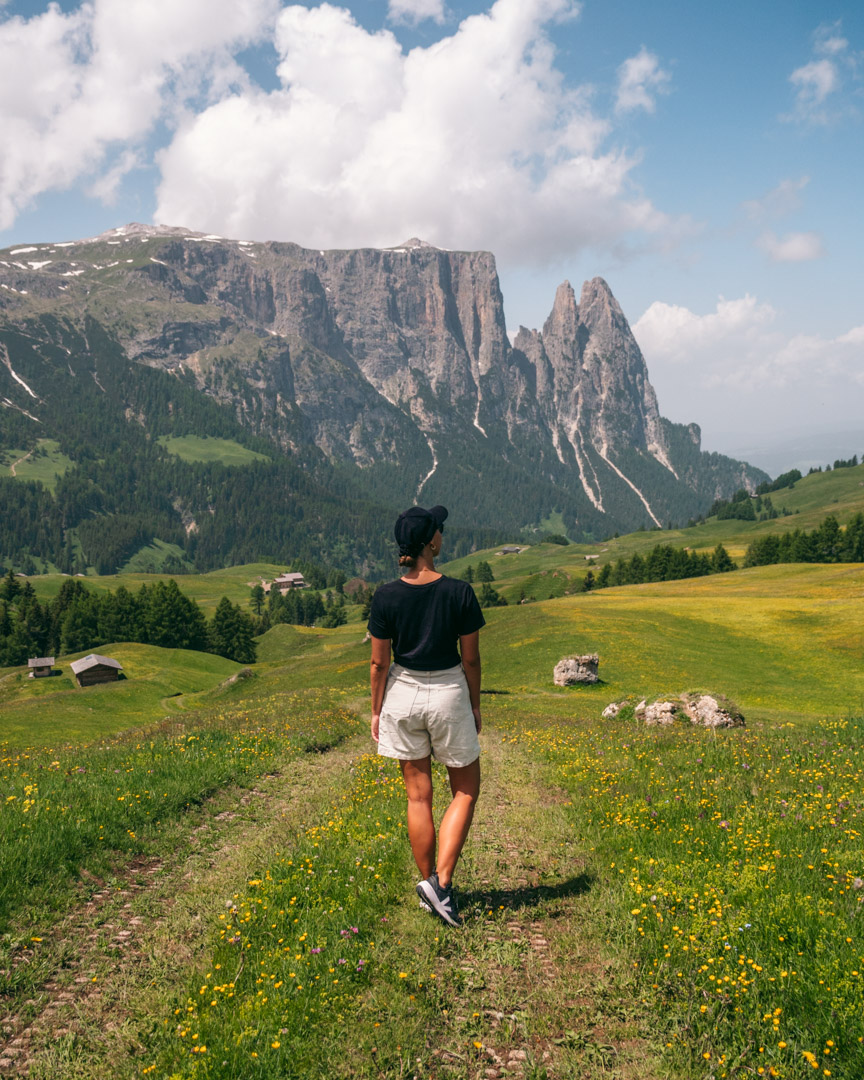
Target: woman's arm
<point x="378" y="669"/>
<point x="469" y="649"/>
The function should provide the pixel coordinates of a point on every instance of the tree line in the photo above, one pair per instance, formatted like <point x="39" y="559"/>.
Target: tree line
<point x="80" y="620"/>
<point x="663" y="563"/>
<point x="828" y="543"/>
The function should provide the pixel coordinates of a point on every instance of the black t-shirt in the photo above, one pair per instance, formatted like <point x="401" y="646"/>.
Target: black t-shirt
<point x="424" y="622"/>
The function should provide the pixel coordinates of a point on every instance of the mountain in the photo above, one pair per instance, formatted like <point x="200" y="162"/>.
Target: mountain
<point x="373" y="377"/>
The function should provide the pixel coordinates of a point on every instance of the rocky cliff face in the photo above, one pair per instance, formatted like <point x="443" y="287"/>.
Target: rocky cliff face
<point x="390" y="359"/>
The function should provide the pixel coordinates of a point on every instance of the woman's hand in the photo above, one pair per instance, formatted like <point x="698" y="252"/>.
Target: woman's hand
<point x="379" y="667"/>
<point x="478" y="723"/>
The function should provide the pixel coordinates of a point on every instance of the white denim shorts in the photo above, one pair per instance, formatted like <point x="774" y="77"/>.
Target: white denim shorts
<point x="428" y="712"/>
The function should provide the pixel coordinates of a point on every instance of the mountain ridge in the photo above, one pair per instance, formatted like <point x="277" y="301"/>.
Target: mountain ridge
<point x="392" y="365"/>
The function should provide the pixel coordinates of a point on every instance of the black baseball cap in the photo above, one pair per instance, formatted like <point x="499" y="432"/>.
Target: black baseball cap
<point x="415" y="527"/>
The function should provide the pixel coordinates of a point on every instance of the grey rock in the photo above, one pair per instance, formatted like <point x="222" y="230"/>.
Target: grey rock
<point x="702" y="710"/>
<point x="573" y="670"/>
<point x="706" y="711"/>
<point x="660" y="713"/>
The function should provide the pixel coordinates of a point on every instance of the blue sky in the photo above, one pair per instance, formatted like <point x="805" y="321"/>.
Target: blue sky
<point x="705" y="159"/>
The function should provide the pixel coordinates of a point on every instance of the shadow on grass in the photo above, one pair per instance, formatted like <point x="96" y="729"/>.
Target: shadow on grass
<point x="526" y="895"/>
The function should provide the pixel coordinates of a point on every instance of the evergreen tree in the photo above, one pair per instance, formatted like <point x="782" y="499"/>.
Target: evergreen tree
<point x="490" y="597"/>
<point x="171" y="619"/>
<point x="721" y="563"/>
<point x="367" y="604"/>
<point x="256" y="599"/>
<point x="484" y="572"/>
<point x="16" y="648"/>
<point x="120" y="617"/>
<point x="232" y="633"/>
<point x="79" y="629"/>
<point x="9" y="587"/>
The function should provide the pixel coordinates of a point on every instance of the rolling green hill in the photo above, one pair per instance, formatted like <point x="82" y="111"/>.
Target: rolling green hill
<point x="785" y="642"/>
<point x="206" y="589"/>
<point x="57" y="710"/>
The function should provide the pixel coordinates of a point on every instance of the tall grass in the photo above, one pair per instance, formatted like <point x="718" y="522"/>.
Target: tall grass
<point x="297" y="947"/>
<point x="97" y="805"/>
<point x="735" y="872"/>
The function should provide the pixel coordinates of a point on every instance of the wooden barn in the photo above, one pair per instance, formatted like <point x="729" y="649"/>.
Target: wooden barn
<point x="41" y="666"/>
<point x="96" y="669"/>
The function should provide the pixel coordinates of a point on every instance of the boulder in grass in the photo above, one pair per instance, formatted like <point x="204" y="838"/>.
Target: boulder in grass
<point x="702" y="710"/>
<point x="713" y="712"/>
<point x="660" y="713"/>
<point x="576" y="670"/>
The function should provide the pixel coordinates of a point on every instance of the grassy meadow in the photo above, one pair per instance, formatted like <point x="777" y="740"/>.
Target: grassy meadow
<point x="44" y="464"/>
<point x="639" y="902"/>
<point x="548" y="570"/>
<point x="56" y="710"/>
<point x="193" y="448"/>
<point x="206" y="589"/>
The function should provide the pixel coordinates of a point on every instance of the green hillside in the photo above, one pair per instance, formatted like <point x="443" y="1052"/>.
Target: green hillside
<point x="202" y="448"/>
<point x="57" y="710"/>
<point x="784" y="641"/>
<point x="44" y="462"/>
<point x="839" y="492"/>
<point x="206" y="589"/>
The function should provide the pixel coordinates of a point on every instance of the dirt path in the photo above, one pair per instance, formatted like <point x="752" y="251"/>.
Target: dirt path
<point x="529" y="981"/>
<point x="123" y="954"/>
<point x="555" y="1002"/>
<point x="20" y="461"/>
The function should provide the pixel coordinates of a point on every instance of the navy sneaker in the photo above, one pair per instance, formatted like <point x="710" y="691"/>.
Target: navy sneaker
<point x="440" y="900"/>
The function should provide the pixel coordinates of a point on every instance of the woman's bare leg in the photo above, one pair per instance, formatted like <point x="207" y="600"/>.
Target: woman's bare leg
<point x="421" y="826"/>
<point x="453" y="830"/>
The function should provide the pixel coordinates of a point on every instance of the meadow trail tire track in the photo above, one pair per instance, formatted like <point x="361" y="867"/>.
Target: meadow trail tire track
<point x="136" y="941"/>
<point x="547" y="989"/>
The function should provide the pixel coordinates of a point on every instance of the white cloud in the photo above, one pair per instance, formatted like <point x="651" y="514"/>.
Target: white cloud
<point x="415" y="11"/>
<point x="821" y="85"/>
<point x="106" y="187"/>
<point x="794" y="247"/>
<point x="827" y="40"/>
<point x="73" y="86"/>
<point x="640" y="79"/>
<point x="474" y="141"/>
<point x="676" y="334"/>
<point x="814" y="82"/>
<point x="780" y="201"/>
<point x="740" y="346"/>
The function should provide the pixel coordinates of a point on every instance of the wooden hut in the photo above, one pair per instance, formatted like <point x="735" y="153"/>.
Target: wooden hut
<point x="41" y="666"/>
<point x="96" y="669"/>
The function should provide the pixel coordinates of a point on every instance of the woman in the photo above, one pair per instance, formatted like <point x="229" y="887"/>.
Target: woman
<point x="428" y="701"/>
